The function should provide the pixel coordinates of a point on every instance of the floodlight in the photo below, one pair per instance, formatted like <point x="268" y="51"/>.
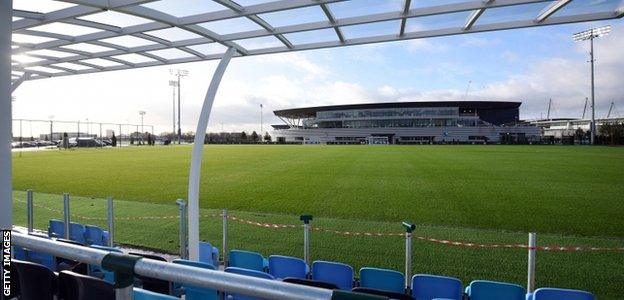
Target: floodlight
<point x="591" y="33"/>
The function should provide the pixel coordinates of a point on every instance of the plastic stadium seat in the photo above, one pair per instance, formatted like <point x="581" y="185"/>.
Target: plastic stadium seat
<point x="388" y="294"/>
<point x="20" y="253"/>
<point x="310" y="282"/>
<point x="427" y="287"/>
<point x="286" y="266"/>
<point x="74" y="286"/>
<point x="193" y="292"/>
<point x="247" y="260"/>
<point x="153" y="284"/>
<point x="382" y="279"/>
<point x="557" y="294"/>
<point x="48" y="260"/>
<point x="56" y="228"/>
<point x="337" y="273"/>
<point x="141" y="294"/>
<point x="485" y="290"/>
<point x="246" y="272"/>
<point x="35" y="275"/>
<point x="95" y="235"/>
<point x="77" y="233"/>
<point x="208" y="254"/>
<point x="99" y="272"/>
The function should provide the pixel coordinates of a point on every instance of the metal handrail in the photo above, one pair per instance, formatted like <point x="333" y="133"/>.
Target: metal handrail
<point x="211" y="279"/>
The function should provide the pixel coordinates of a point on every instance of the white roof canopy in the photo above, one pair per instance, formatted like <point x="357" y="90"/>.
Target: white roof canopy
<point x="67" y="37"/>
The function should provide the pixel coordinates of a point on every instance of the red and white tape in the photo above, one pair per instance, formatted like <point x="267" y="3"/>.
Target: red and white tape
<point x="364" y="234"/>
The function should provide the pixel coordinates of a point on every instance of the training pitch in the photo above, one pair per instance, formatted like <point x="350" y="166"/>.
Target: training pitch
<point x="488" y="194"/>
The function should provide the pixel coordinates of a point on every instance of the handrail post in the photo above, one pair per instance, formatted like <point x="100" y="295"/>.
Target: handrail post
<point x="409" y="228"/>
<point x="531" y="264"/>
<point x="225" y="237"/>
<point x="183" y="229"/>
<point x="29" y="209"/>
<point x="66" y="215"/>
<point x="306" y="237"/>
<point x="111" y="221"/>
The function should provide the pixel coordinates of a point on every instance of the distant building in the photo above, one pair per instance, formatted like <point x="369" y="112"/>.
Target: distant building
<point x="561" y="128"/>
<point x="406" y="123"/>
<point x="59" y="135"/>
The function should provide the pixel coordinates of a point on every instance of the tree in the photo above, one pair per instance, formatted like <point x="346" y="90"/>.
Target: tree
<point x="114" y="140"/>
<point x="243" y="136"/>
<point x="579" y="134"/>
<point x="254" y="136"/>
<point x="267" y="137"/>
<point x="613" y="133"/>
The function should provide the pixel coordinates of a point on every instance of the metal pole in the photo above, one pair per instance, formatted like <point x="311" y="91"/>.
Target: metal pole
<point x="179" y="126"/>
<point x="183" y="230"/>
<point x="66" y="214"/>
<point x="306" y="237"/>
<point x="593" y="107"/>
<point x="111" y="220"/>
<point x="197" y="152"/>
<point x="409" y="228"/>
<point x="120" y="135"/>
<point x="174" y="113"/>
<point x="29" y="209"/>
<point x="101" y="138"/>
<point x="225" y="237"/>
<point x="51" y="130"/>
<point x="531" y="266"/>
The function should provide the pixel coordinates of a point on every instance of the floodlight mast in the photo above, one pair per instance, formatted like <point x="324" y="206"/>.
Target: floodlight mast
<point x="179" y="73"/>
<point x="590" y="35"/>
<point x="173" y="84"/>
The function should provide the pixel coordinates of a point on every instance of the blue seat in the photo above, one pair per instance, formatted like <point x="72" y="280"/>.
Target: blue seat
<point x="337" y="273"/>
<point x="193" y="292"/>
<point x="557" y="294"/>
<point x="382" y="279"/>
<point x="77" y="233"/>
<point x="208" y="254"/>
<point x="141" y="294"/>
<point x="95" y="235"/>
<point x="485" y="290"/>
<point x="286" y="266"/>
<point x="56" y="228"/>
<point x="247" y="260"/>
<point x="20" y="253"/>
<point x="98" y="271"/>
<point x="428" y="287"/>
<point x="246" y="272"/>
<point x="43" y="258"/>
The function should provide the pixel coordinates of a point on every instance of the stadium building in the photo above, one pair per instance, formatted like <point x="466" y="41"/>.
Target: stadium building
<point x="406" y="123"/>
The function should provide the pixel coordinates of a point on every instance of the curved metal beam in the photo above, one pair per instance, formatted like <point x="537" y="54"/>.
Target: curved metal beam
<point x="196" y="156"/>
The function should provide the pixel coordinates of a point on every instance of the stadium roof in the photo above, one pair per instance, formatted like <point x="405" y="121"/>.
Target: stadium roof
<point x="311" y="111"/>
<point x="86" y="36"/>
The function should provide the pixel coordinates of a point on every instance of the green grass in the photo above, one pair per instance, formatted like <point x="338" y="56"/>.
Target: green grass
<point x="487" y="194"/>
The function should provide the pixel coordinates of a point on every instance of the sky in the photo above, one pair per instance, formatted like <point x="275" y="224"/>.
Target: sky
<point x="528" y="65"/>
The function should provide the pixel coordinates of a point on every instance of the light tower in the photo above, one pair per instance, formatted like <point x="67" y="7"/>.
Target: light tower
<point x="173" y="84"/>
<point x="142" y="113"/>
<point x="179" y="73"/>
<point x="590" y="35"/>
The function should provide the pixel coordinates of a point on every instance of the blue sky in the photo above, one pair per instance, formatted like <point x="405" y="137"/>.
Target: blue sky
<point x="529" y="65"/>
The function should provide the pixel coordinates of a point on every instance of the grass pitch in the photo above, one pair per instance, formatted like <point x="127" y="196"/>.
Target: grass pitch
<point x="487" y="194"/>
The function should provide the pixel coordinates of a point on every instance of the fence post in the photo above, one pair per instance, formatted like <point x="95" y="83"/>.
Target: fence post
<point x="29" y="209"/>
<point x="111" y="226"/>
<point x="306" y="237"/>
<point x="183" y="230"/>
<point x="531" y="266"/>
<point x="225" y="237"/>
<point x="66" y="214"/>
<point x="409" y="228"/>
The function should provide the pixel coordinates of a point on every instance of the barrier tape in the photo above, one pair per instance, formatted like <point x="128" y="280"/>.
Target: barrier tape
<point x="364" y="234"/>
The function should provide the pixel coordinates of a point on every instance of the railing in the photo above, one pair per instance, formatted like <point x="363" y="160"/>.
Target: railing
<point x="210" y="279"/>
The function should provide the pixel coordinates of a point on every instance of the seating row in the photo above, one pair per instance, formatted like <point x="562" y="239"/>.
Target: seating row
<point x="84" y="234"/>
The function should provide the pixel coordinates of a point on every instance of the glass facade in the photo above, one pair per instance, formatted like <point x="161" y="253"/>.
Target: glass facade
<point x="394" y="117"/>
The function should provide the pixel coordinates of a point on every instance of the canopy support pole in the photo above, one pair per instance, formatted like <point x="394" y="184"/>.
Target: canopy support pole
<point x="6" y="187"/>
<point x="196" y="156"/>
<point x="19" y="81"/>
